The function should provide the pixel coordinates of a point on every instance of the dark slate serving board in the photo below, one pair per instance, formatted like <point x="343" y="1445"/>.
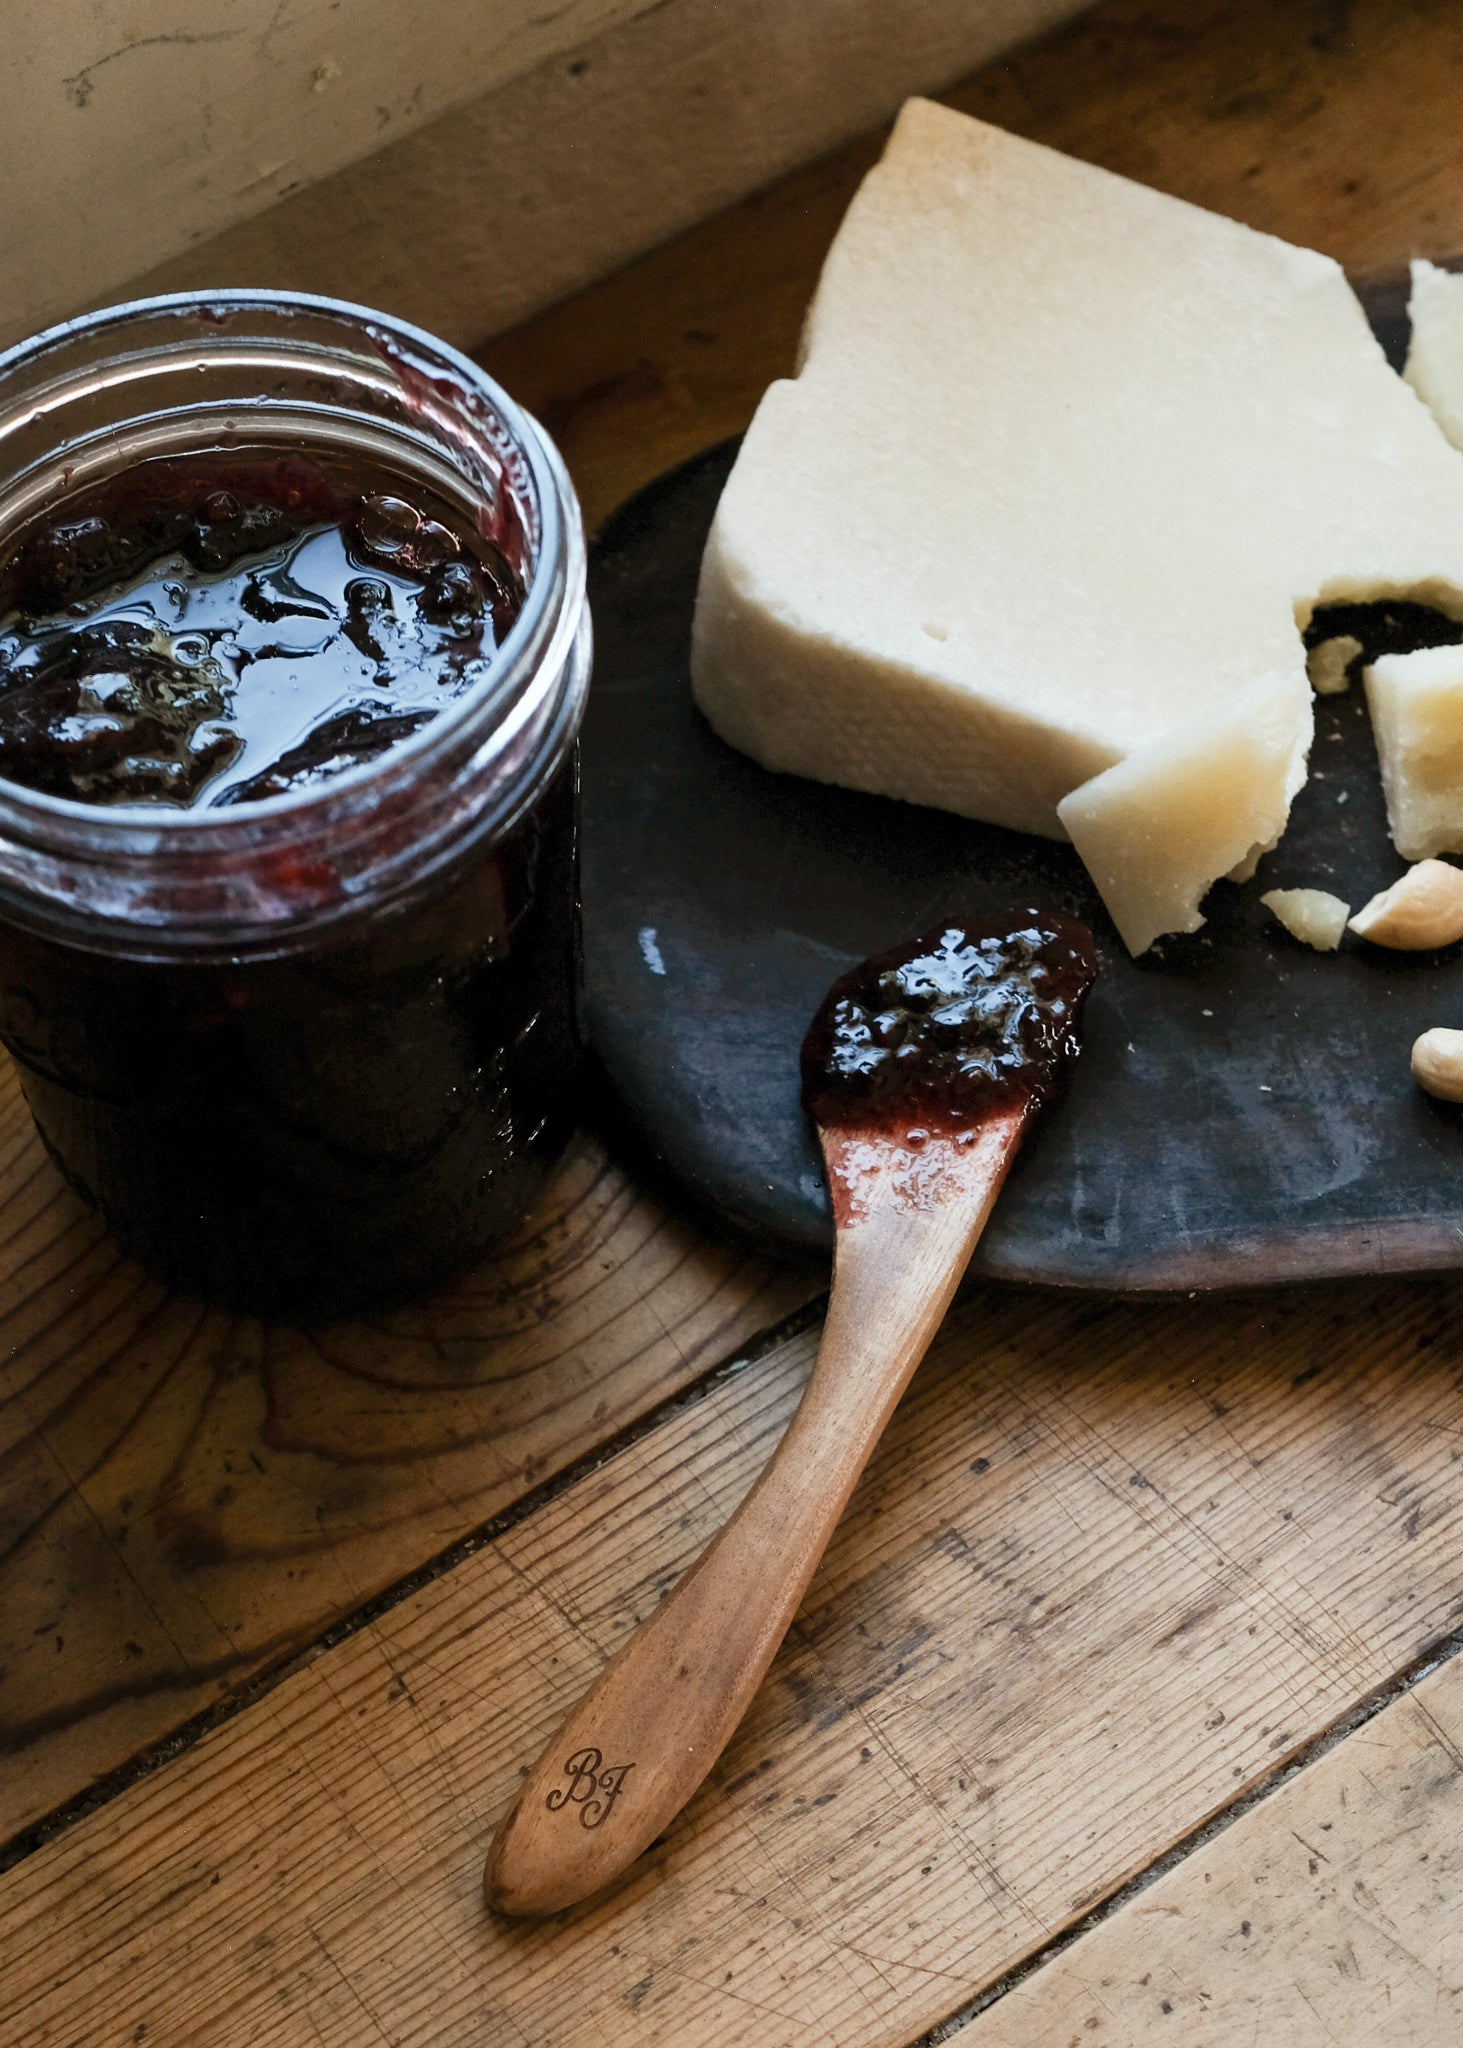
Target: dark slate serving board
<point x="1242" y="1111"/>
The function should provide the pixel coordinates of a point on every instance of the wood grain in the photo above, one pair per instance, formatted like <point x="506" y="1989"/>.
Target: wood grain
<point x="1332" y="122"/>
<point x="187" y="1497"/>
<point x="1328" y="1914"/>
<point x="1111" y="1565"/>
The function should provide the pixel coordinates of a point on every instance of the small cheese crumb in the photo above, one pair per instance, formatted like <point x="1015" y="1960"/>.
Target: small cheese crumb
<point x="1327" y="664"/>
<point x="1422" y="910"/>
<point x="1416" y="705"/>
<point x="1313" y="916"/>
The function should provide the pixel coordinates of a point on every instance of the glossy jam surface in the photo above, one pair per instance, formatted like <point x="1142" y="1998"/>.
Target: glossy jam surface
<point x="356" y="1118"/>
<point x="972" y="1016"/>
<point x="234" y="625"/>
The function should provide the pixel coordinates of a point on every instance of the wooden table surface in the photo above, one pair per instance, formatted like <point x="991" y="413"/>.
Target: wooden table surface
<point x="1124" y="1708"/>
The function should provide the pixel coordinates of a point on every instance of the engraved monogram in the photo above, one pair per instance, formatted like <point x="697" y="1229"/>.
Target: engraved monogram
<point x="593" y="1787"/>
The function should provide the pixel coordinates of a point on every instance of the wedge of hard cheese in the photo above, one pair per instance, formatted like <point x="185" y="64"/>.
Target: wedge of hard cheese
<point x="1065" y="463"/>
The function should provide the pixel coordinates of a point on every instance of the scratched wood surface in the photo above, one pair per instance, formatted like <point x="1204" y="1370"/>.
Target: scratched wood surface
<point x="1327" y="1914"/>
<point x="1079" y="1650"/>
<point x="1110" y="1566"/>
<point x="186" y="1497"/>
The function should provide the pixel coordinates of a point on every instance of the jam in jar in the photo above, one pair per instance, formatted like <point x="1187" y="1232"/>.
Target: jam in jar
<point x="293" y="653"/>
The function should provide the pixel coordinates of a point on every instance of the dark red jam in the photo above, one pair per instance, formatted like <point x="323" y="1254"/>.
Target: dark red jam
<point x="222" y="628"/>
<point x="359" y="1117"/>
<point x="349" y="1124"/>
<point x="933" y="1035"/>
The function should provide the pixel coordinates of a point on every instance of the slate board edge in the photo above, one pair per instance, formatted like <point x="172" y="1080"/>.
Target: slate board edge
<point x="1417" y="1244"/>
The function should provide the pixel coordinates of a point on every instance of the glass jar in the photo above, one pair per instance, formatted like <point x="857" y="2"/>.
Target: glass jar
<point x="315" y="1051"/>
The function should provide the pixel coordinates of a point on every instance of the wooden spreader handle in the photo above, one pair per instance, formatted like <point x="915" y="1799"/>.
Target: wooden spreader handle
<point x="649" y="1729"/>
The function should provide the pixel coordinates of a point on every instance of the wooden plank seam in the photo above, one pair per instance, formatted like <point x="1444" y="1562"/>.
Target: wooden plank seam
<point x="991" y="1688"/>
<point x="158" y="1754"/>
<point x="1434" y="1658"/>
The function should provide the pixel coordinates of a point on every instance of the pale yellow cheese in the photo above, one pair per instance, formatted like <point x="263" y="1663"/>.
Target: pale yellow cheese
<point x="1065" y="464"/>
<point x="1435" y="352"/>
<point x="1314" y="916"/>
<point x="1416" y="706"/>
<point x="1328" y="663"/>
<point x="1200" y="801"/>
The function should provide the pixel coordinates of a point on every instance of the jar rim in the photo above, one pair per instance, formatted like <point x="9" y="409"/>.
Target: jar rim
<point x="60" y="858"/>
<point x="554" y="533"/>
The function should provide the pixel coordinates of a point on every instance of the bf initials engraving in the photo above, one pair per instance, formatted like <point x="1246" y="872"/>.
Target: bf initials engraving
<point x="593" y="1786"/>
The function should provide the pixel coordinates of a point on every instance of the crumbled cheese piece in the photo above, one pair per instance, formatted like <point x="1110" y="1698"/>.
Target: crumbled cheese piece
<point x="1416" y="703"/>
<point x="1207" y="799"/>
<point x="1065" y="464"/>
<point x="1435" y="353"/>
<point x="1422" y="910"/>
<point x="1328" y="661"/>
<point x="1314" y="916"/>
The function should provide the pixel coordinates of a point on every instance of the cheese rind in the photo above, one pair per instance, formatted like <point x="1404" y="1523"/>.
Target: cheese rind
<point x="1065" y="463"/>
<point x="1416" y="706"/>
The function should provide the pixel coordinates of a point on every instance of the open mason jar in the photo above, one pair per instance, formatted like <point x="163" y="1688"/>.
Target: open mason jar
<point x="317" y="1049"/>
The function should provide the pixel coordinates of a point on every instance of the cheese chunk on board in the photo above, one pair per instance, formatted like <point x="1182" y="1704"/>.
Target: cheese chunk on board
<point x="1066" y="466"/>
<point x="1314" y="916"/>
<point x="1328" y="665"/>
<point x="1156" y="828"/>
<point x="1416" y="706"/>
<point x="1435" y="351"/>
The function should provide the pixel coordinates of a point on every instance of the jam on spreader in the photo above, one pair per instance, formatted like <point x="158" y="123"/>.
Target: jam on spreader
<point x="226" y="627"/>
<point x="929" y="1037"/>
<point x="323" y="1124"/>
